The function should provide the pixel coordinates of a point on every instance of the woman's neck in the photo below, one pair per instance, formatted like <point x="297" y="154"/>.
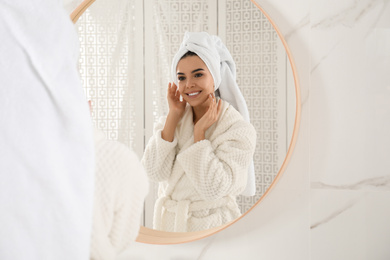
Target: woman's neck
<point x="200" y="110"/>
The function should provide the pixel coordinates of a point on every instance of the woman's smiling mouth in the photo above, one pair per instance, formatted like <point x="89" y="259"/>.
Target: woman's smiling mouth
<point x="193" y="94"/>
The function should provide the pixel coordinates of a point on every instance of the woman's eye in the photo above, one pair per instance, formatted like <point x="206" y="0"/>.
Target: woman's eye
<point x="197" y="75"/>
<point x="181" y="78"/>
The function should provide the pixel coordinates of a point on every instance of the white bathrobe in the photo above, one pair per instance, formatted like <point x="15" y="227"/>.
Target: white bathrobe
<point x="46" y="145"/>
<point x="120" y="189"/>
<point x="199" y="181"/>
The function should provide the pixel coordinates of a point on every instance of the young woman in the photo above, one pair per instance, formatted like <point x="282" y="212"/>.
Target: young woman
<point x="201" y="151"/>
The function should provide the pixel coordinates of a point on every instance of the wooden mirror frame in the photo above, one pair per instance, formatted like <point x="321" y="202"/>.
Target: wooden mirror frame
<point x="151" y="236"/>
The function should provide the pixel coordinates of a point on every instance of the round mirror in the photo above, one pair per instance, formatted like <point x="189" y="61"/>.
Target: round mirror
<point x="126" y="52"/>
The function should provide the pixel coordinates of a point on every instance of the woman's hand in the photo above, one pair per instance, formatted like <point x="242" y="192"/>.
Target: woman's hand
<point x="176" y="107"/>
<point x="208" y="119"/>
<point x="176" y="112"/>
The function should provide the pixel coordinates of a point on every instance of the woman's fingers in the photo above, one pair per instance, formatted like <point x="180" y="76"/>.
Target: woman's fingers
<point x="212" y="114"/>
<point x="219" y="107"/>
<point x="210" y="108"/>
<point x="176" y="92"/>
<point x="177" y="95"/>
<point x="214" y="109"/>
<point x="170" y="89"/>
<point x="172" y="92"/>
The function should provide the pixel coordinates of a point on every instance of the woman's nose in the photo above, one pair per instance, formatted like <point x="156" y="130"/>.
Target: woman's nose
<point x="190" y="83"/>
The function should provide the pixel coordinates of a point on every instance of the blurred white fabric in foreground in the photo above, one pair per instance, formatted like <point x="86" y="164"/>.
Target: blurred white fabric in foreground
<point x="46" y="145"/>
<point x="120" y="189"/>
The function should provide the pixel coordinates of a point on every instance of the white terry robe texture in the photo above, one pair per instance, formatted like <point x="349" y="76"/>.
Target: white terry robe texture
<point x="222" y="67"/>
<point x="199" y="182"/>
<point x="120" y="189"/>
<point x="46" y="144"/>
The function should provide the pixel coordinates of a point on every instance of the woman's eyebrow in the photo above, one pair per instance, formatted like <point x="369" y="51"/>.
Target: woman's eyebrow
<point x="181" y="73"/>
<point x="197" y="70"/>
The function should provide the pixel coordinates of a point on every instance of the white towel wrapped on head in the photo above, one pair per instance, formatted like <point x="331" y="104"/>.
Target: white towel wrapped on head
<point x="222" y="67"/>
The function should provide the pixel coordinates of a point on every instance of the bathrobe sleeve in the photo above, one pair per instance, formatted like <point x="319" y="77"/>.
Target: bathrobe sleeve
<point x="159" y="155"/>
<point x="120" y="189"/>
<point x="219" y="167"/>
<point x="132" y="191"/>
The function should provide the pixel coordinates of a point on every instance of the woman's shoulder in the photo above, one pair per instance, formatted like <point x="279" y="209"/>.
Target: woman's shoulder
<point x="230" y="114"/>
<point x="232" y="119"/>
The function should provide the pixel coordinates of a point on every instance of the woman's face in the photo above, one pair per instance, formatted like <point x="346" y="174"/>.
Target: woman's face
<point x="194" y="80"/>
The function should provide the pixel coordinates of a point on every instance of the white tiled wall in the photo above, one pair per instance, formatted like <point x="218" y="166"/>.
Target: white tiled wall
<point x="333" y="201"/>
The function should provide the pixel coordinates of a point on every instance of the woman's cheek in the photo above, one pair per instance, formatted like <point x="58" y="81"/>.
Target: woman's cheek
<point x="181" y="89"/>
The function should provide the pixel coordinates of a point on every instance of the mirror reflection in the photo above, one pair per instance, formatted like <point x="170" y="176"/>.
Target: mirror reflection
<point x="201" y="151"/>
<point x="125" y="65"/>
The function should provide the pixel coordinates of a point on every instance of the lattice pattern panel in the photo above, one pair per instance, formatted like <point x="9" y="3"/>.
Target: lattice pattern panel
<point x="107" y="67"/>
<point x="171" y="19"/>
<point x="253" y="44"/>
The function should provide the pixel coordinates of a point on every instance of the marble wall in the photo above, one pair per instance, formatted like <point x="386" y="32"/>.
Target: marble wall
<point x="333" y="201"/>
